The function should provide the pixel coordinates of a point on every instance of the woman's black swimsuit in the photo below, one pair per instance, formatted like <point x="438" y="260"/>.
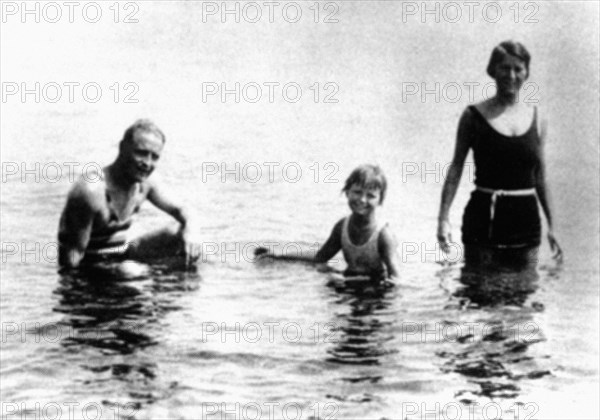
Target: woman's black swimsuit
<point x="503" y="163"/>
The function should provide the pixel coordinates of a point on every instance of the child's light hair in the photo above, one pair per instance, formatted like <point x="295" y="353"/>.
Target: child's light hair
<point x="369" y="177"/>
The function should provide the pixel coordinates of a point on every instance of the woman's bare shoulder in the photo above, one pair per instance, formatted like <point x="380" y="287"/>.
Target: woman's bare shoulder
<point x="484" y="107"/>
<point x="467" y="116"/>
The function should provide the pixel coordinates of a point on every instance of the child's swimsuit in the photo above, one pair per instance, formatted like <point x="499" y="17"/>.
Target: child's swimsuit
<point x="503" y="210"/>
<point x="363" y="259"/>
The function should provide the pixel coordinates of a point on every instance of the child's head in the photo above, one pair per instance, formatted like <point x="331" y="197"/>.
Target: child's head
<point x="367" y="177"/>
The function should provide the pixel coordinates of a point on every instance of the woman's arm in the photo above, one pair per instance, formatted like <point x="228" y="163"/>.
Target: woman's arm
<point x="453" y="179"/>
<point x="544" y="194"/>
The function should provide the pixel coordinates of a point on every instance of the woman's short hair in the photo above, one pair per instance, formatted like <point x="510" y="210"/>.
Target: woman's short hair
<point x="367" y="176"/>
<point x="516" y="49"/>
<point x="143" y="125"/>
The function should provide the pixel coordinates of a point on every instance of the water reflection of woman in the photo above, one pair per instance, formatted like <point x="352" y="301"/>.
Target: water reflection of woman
<point x="501" y="223"/>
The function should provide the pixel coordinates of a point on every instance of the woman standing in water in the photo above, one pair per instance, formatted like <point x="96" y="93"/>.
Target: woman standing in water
<point x="501" y="223"/>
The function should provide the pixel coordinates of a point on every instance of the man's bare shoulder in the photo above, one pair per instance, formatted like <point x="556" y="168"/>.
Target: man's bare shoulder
<point x="156" y="181"/>
<point x="153" y="186"/>
<point x="88" y="191"/>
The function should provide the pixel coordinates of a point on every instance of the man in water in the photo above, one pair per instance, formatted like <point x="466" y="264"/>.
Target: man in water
<point x="95" y="222"/>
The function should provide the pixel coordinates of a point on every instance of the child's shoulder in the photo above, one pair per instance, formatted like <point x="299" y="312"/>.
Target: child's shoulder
<point x="386" y="236"/>
<point x="339" y="225"/>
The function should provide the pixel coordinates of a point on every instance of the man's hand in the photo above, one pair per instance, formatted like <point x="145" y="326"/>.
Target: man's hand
<point x="190" y="250"/>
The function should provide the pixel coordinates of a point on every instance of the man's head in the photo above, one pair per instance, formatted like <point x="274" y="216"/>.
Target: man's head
<point x="140" y="149"/>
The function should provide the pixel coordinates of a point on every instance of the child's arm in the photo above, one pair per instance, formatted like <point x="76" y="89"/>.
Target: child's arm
<point x="388" y="250"/>
<point x="333" y="244"/>
<point x="325" y="253"/>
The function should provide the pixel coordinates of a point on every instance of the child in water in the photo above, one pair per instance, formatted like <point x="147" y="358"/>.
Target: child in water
<point x="368" y="246"/>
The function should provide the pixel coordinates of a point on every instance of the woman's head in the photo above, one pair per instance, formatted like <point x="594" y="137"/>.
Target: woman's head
<point x="508" y="48"/>
<point x="368" y="177"/>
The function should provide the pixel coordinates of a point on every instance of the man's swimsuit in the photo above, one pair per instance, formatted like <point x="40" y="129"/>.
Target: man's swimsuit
<point x="112" y="242"/>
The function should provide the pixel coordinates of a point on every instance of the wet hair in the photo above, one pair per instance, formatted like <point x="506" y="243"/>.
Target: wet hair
<point x="516" y="49"/>
<point x="367" y="176"/>
<point x="143" y="125"/>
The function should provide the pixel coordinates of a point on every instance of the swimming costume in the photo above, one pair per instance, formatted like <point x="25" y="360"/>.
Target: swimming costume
<point x="504" y="162"/>
<point x="112" y="253"/>
<point x="363" y="259"/>
<point x="112" y="239"/>
<point x="503" y="210"/>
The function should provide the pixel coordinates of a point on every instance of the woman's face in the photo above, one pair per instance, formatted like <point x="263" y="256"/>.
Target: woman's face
<point x="510" y="74"/>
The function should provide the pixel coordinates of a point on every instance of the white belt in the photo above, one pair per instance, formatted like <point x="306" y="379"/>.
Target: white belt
<point x="499" y="193"/>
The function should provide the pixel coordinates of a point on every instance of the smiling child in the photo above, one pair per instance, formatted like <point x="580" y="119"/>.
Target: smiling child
<point x="368" y="245"/>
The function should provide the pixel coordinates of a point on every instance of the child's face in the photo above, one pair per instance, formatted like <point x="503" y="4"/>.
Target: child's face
<point x="363" y="201"/>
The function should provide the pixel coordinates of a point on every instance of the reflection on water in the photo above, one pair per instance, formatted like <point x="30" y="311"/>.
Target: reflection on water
<point x="489" y="287"/>
<point x="365" y="330"/>
<point x="113" y="319"/>
<point x="104" y="311"/>
<point x="493" y="353"/>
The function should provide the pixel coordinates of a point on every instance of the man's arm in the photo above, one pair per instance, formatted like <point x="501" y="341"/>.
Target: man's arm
<point x="75" y="226"/>
<point x="156" y="197"/>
